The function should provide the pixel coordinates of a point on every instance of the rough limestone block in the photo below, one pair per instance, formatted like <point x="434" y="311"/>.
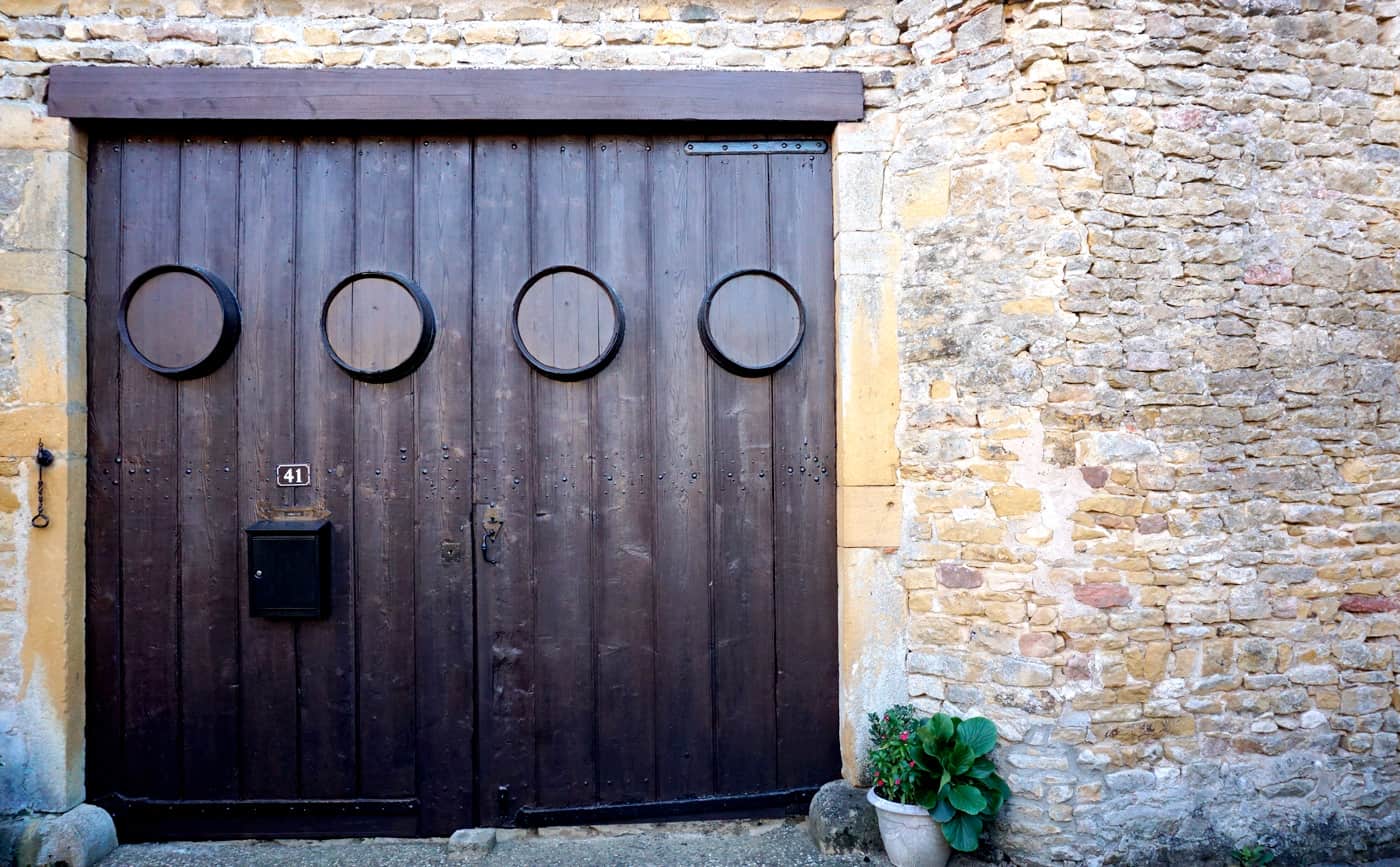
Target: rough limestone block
<point x="841" y="820"/>
<point x="868" y="517"/>
<point x="81" y="837"/>
<point x="471" y="844"/>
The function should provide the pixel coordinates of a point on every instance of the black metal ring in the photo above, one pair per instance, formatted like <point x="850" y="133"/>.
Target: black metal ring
<point x="718" y="355"/>
<point x="426" y="335"/>
<point x="228" y="333"/>
<point x="570" y="373"/>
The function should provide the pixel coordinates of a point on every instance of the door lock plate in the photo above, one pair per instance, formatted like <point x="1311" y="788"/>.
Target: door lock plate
<point x="493" y="519"/>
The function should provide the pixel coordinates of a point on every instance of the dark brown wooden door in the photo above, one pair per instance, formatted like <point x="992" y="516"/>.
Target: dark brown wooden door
<point x="658" y="624"/>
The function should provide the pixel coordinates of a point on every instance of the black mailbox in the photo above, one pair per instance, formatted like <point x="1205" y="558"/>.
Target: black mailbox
<point x="289" y="569"/>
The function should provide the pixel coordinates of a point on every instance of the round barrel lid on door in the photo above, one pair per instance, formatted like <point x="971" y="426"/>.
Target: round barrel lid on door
<point x="567" y="322"/>
<point x="752" y="321"/>
<point x="378" y="326"/>
<point x="180" y="321"/>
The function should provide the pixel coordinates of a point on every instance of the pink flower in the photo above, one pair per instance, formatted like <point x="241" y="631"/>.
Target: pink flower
<point x="904" y="736"/>
<point x="911" y="763"/>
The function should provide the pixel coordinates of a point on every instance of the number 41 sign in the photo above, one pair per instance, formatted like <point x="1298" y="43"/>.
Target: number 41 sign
<point x="293" y="475"/>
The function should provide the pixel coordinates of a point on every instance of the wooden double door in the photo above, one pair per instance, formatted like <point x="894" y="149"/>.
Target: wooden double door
<point x="650" y="627"/>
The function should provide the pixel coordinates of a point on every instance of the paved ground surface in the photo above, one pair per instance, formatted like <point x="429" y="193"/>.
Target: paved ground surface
<point x="698" y="844"/>
<point x="709" y="844"/>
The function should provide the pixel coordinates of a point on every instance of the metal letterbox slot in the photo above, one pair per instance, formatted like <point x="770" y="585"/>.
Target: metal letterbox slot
<point x="289" y="569"/>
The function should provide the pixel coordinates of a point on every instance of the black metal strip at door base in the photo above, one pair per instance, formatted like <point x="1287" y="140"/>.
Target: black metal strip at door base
<point x="147" y="819"/>
<point x="787" y="800"/>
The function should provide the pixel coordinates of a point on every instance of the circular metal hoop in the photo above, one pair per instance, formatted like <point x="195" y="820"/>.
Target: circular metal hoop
<point x="569" y="374"/>
<point x="729" y="364"/>
<point x="426" y="335"/>
<point x="230" y="328"/>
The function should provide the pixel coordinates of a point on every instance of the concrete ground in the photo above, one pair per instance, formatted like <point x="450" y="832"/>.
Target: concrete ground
<point x="757" y="843"/>
<point x="763" y="843"/>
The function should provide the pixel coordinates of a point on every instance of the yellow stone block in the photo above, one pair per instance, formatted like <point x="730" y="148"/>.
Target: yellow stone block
<point x="22" y="53"/>
<point x="53" y="272"/>
<point x="872" y="624"/>
<point x="21" y="128"/>
<point x="1010" y="500"/>
<point x="1355" y="472"/>
<point x="232" y="8"/>
<point x="524" y="13"/>
<point x="947" y="501"/>
<point x="782" y="12"/>
<point x="433" y="55"/>
<point x="266" y="33"/>
<point x="577" y="39"/>
<point x="868" y="517"/>
<point x="867" y="380"/>
<point x="294" y="55"/>
<point x="1112" y="505"/>
<point x="47" y="341"/>
<point x="21" y="8"/>
<point x="140" y="9"/>
<point x="654" y="13"/>
<point x="1029" y="307"/>
<point x="922" y="197"/>
<point x="822" y="13"/>
<point x="673" y="36"/>
<point x="489" y="34"/>
<point x="985" y="532"/>
<point x="342" y="56"/>
<point x="991" y="472"/>
<point x="320" y="36"/>
<point x="63" y="428"/>
<point x="941" y="389"/>
<point x="1005" y="612"/>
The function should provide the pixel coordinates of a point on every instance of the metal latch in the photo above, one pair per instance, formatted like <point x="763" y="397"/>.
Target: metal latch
<point x="492" y="520"/>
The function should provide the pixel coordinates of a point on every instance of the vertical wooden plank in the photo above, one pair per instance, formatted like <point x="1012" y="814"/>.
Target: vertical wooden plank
<point x="624" y="598"/>
<point x="267" y="237"/>
<point x="105" y="475"/>
<point x="741" y="463"/>
<point x="804" y="425"/>
<point x="503" y="475"/>
<point x="444" y="629"/>
<point x="563" y="557"/>
<point x="325" y="438"/>
<point x="208" y="493"/>
<point x="150" y="606"/>
<point x="384" y="487"/>
<point x="680" y="394"/>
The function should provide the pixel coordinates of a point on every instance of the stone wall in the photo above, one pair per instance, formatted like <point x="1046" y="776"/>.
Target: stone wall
<point x="1150" y="425"/>
<point x="339" y="33"/>
<point x="1123" y="275"/>
<point x="42" y="185"/>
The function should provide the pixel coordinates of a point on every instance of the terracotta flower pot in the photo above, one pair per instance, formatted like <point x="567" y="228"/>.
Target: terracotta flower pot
<point x="911" y="837"/>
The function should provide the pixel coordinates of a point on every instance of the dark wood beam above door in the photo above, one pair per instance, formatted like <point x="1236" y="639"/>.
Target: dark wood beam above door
<point x="183" y="93"/>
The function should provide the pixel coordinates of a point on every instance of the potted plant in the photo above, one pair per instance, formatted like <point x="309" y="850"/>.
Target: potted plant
<point x="934" y="787"/>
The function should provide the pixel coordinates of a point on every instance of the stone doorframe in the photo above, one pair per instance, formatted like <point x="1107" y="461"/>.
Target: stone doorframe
<point x="43" y="572"/>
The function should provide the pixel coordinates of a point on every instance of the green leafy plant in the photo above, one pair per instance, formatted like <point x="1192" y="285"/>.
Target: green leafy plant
<point x="941" y="764"/>
<point x="967" y="790"/>
<point x="897" y="776"/>
<point x="1253" y="856"/>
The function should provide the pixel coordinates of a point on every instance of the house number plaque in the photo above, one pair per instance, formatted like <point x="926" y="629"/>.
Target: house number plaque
<point x="293" y="475"/>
